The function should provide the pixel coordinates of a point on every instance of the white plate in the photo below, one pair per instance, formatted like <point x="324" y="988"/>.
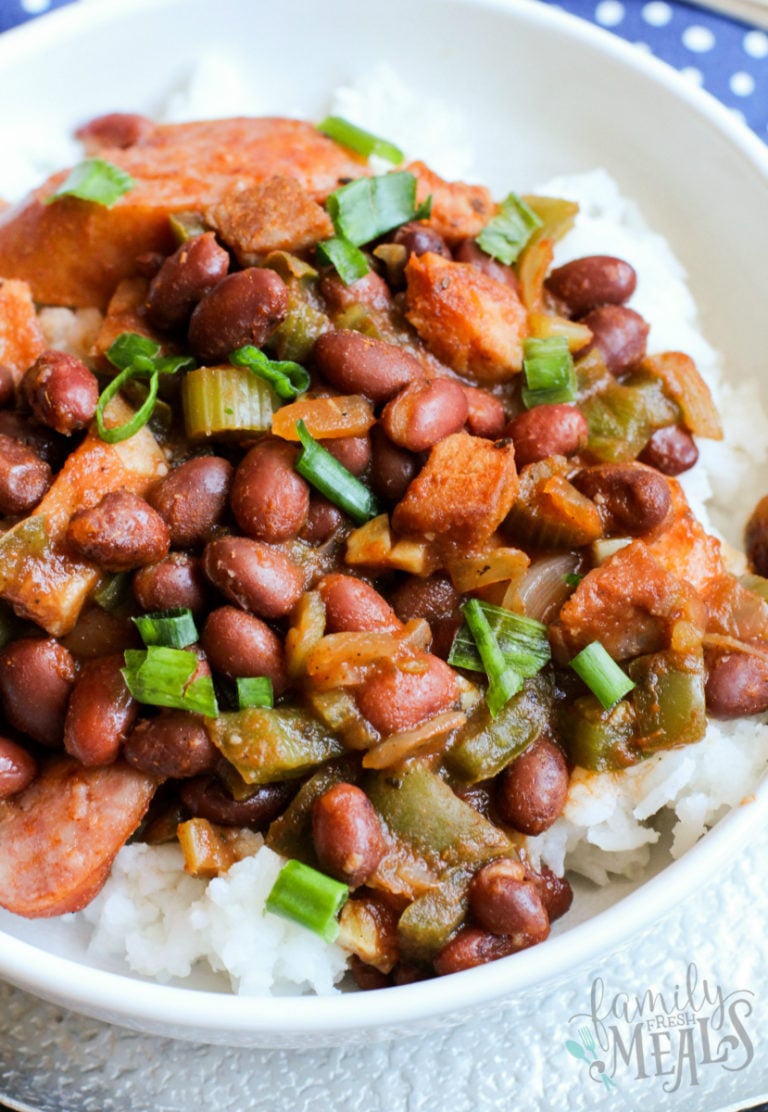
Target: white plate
<point x="545" y="94"/>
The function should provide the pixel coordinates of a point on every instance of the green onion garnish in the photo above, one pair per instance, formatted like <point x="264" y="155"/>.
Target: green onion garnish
<point x="349" y="261"/>
<point x="287" y="379"/>
<point x="368" y="207"/>
<point x="254" y="691"/>
<point x="507" y="233"/>
<point x="136" y="357"/>
<point x="308" y="897"/>
<point x="332" y="479"/>
<point x="162" y="677"/>
<point x="523" y="642"/>
<point x="548" y="370"/>
<point x="359" y="140"/>
<point x="130" y="348"/>
<point x="95" y="180"/>
<point x="173" y="628"/>
<point x="602" y="675"/>
<point x="504" y="681"/>
<point x="572" y="579"/>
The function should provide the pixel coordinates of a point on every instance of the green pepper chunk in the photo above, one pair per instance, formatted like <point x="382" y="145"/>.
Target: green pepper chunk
<point x="668" y="699"/>
<point x="266" y="745"/>
<point x="622" y="416"/>
<point x="429" y="921"/>
<point x="597" y="739"/>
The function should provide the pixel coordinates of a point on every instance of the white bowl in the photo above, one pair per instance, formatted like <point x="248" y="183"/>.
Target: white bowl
<point x="545" y="94"/>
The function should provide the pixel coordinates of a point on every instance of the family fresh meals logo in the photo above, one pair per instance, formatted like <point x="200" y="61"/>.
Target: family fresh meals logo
<point x="675" y="1034"/>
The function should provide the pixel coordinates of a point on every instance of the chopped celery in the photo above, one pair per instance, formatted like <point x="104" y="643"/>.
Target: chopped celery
<point x="225" y="400"/>
<point x="622" y="416"/>
<point x="267" y="745"/>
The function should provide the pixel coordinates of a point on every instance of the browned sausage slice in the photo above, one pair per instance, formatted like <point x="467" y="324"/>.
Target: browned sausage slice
<point x="59" y="837"/>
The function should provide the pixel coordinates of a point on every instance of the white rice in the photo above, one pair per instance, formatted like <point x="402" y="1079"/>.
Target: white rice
<point x="164" y="923"/>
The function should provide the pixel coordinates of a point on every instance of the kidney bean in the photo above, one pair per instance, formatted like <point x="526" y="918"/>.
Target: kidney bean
<point x="469" y="252"/>
<point x="61" y="391"/>
<point x="370" y="290"/>
<point x="394" y="699"/>
<point x="7" y="386"/>
<point x="173" y="744"/>
<point x="471" y="947"/>
<point x="192" y="499"/>
<point x="18" y="768"/>
<point x="206" y="797"/>
<point x="239" y="644"/>
<point x="418" y="239"/>
<point x="177" y="582"/>
<point x="352" y="605"/>
<point x="555" y="891"/>
<point x="671" y="450"/>
<point x="44" y="442"/>
<point x="24" y="477"/>
<point x="269" y="500"/>
<point x="244" y="308"/>
<point x="101" y="711"/>
<point x="594" y="280"/>
<point x="113" y="129"/>
<point x="354" y="452"/>
<point x="485" y="416"/>
<point x="367" y="977"/>
<point x="119" y="533"/>
<point x="631" y="499"/>
<point x="532" y="790"/>
<point x="736" y="684"/>
<point x="36" y="677"/>
<point x="392" y="468"/>
<point x="323" y="520"/>
<point x="547" y="430"/>
<point x="756" y="537"/>
<point x="424" y="413"/>
<point x="347" y="834"/>
<point x="619" y="333"/>
<point x="358" y="364"/>
<point x="185" y="278"/>
<point x="253" y="575"/>
<point x="434" y="599"/>
<point x="409" y="972"/>
<point x="101" y="633"/>
<point x="504" y="903"/>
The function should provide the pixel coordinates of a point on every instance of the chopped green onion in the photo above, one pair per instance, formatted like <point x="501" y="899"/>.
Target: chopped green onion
<point x="162" y="677"/>
<point x="254" y="691"/>
<point x="308" y="897"/>
<point x="130" y="348"/>
<point x="95" y="180"/>
<point x="504" y="681"/>
<point x="549" y="373"/>
<point x="286" y="378"/>
<point x="332" y="479"/>
<point x="602" y="675"/>
<point x="369" y="207"/>
<point x="174" y="628"/>
<point x="359" y="140"/>
<point x="572" y="579"/>
<point x="136" y="356"/>
<point x="523" y="642"/>
<point x="349" y="261"/>
<point x="141" y="416"/>
<point x="507" y="233"/>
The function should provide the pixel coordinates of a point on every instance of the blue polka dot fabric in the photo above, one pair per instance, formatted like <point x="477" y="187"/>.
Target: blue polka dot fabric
<point x="726" y="56"/>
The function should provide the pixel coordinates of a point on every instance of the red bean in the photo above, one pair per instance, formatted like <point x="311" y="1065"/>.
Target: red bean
<point x="114" y="129"/>
<point x="371" y="290"/>
<point x="471" y="947"/>
<point x="434" y="599"/>
<point x="486" y="415"/>
<point x="244" y="308"/>
<point x="368" y="977"/>
<point x="424" y="413"/>
<point x="358" y="364"/>
<point x="239" y="644"/>
<point x="531" y="792"/>
<point x="269" y="500"/>
<point x="44" y="442"/>
<point x="671" y="450"/>
<point x="323" y="520"/>
<point x="594" y="280"/>
<point x="394" y="699"/>
<point x="61" y="391"/>
<point x="185" y="278"/>
<point x="619" y="333"/>
<point x="101" y="711"/>
<point x="736" y="684"/>
<point x="173" y="744"/>
<point x="36" y="677"/>
<point x="192" y="499"/>
<point x="469" y="252"/>
<point x="101" y="633"/>
<point x="547" y="430"/>
<point x="631" y="499"/>
<point x="177" y="582"/>
<point x="119" y="533"/>
<point x="418" y="239"/>
<point x="352" y="605"/>
<point x="206" y="797"/>
<point x="7" y="386"/>
<point x="504" y="903"/>
<point x="347" y="834"/>
<point x="555" y="891"/>
<point x="18" y="768"/>
<point x="756" y="537"/>
<point x="24" y="477"/>
<point x="253" y="575"/>
<point x="392" y="468"/>
<point x="354" y="452"/>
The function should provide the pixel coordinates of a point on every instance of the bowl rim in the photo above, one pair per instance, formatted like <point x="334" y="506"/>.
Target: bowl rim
<point x="93" y="990"/>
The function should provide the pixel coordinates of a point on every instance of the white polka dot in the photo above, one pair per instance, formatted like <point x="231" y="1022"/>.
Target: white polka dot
<point x="742" y="84"/>
<point x="695" y="76"/>
<point x="739" y="115"/>
<point x="657" y="13"/>
<point x="643" y="46"/>
<point x="756" y="44"/>
<point x="698" y="39"/>
<point x="35" y="7"/>
<point x="609" y="12"/>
